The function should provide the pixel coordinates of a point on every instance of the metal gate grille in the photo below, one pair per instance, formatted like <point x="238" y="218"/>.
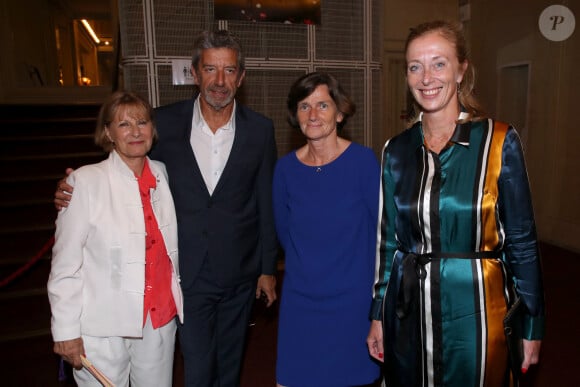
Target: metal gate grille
<point x="346" y="43"/>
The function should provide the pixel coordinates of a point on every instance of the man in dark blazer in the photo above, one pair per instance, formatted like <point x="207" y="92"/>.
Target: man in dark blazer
<point x="220" y="159"/>
<point x="226" y="229"/>
<point x="229" y="230"/>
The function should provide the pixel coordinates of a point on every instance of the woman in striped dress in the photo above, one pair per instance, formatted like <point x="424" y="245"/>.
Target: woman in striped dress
<point x="456" y="231"/>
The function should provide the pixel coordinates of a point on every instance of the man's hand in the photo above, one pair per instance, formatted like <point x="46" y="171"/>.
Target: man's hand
<point x="71" y="351"/>
<point x="267" y="287"/>
<point x="63" y="192"/>
<point x="375" y="340"/>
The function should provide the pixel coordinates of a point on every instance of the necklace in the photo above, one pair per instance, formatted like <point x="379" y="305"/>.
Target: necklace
<point x="318" y="157"/>
<point x="437" y="142"/>
<point x="320" y="163"/>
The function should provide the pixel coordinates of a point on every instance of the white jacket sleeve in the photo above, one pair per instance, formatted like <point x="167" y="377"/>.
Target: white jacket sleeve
<point x="65" y="283"/>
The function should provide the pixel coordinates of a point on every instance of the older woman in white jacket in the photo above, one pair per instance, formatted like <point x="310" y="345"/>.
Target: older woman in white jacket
<point x="114" y="284"/>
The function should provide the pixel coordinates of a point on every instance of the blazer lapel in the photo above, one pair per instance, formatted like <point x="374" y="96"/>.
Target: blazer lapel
<point x="187" y="150"/>
<point x="237" y="152"/>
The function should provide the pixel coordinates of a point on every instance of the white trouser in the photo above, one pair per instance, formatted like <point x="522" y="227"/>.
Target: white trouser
<point x="146" y="361"/>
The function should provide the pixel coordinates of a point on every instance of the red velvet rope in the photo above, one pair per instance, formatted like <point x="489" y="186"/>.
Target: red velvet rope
<point x="28" y="264"/>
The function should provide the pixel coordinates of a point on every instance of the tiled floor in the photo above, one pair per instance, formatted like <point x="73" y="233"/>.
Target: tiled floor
<point x="29" y="362"/>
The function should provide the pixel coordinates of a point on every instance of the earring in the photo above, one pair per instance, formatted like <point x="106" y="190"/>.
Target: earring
<point x="458" y="88"/>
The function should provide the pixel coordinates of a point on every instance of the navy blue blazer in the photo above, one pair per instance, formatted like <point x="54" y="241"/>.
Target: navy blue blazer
<point x="234" y="227"/>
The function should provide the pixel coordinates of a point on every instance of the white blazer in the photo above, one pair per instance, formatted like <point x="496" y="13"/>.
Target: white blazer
<point x="96" y="284"/>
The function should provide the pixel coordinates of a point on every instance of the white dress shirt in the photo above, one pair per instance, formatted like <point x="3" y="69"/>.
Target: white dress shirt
<point x="211" y="150"/>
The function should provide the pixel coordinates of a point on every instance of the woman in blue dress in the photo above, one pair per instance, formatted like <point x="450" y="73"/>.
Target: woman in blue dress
<point x="325" y="201"/>
<point x="457" y="230"/>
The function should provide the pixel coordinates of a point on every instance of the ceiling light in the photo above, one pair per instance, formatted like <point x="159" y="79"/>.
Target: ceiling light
<point x="90" y="31"/>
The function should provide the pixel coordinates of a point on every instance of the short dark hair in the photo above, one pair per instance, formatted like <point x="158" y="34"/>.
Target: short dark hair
<point x="217" y="39"/>
<point x="110" y="108"/>
<point x="306" y="84"/>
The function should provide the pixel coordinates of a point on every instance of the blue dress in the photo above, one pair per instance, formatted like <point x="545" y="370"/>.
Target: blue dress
<point x="326" y="219"/>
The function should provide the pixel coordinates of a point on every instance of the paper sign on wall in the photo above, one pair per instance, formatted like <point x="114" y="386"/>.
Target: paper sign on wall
<point x="182" y="72"/>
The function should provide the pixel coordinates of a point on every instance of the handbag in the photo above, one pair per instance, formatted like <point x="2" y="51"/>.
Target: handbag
<point x="513" y="329"/>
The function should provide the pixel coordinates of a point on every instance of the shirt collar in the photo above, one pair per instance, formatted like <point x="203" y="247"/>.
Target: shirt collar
<point x="146" y="181"/>
<point x="200" y="123"/>
<point x="460" y="134"/>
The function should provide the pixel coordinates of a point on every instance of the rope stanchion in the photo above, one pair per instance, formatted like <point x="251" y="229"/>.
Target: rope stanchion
<point x="28" y="264"/>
